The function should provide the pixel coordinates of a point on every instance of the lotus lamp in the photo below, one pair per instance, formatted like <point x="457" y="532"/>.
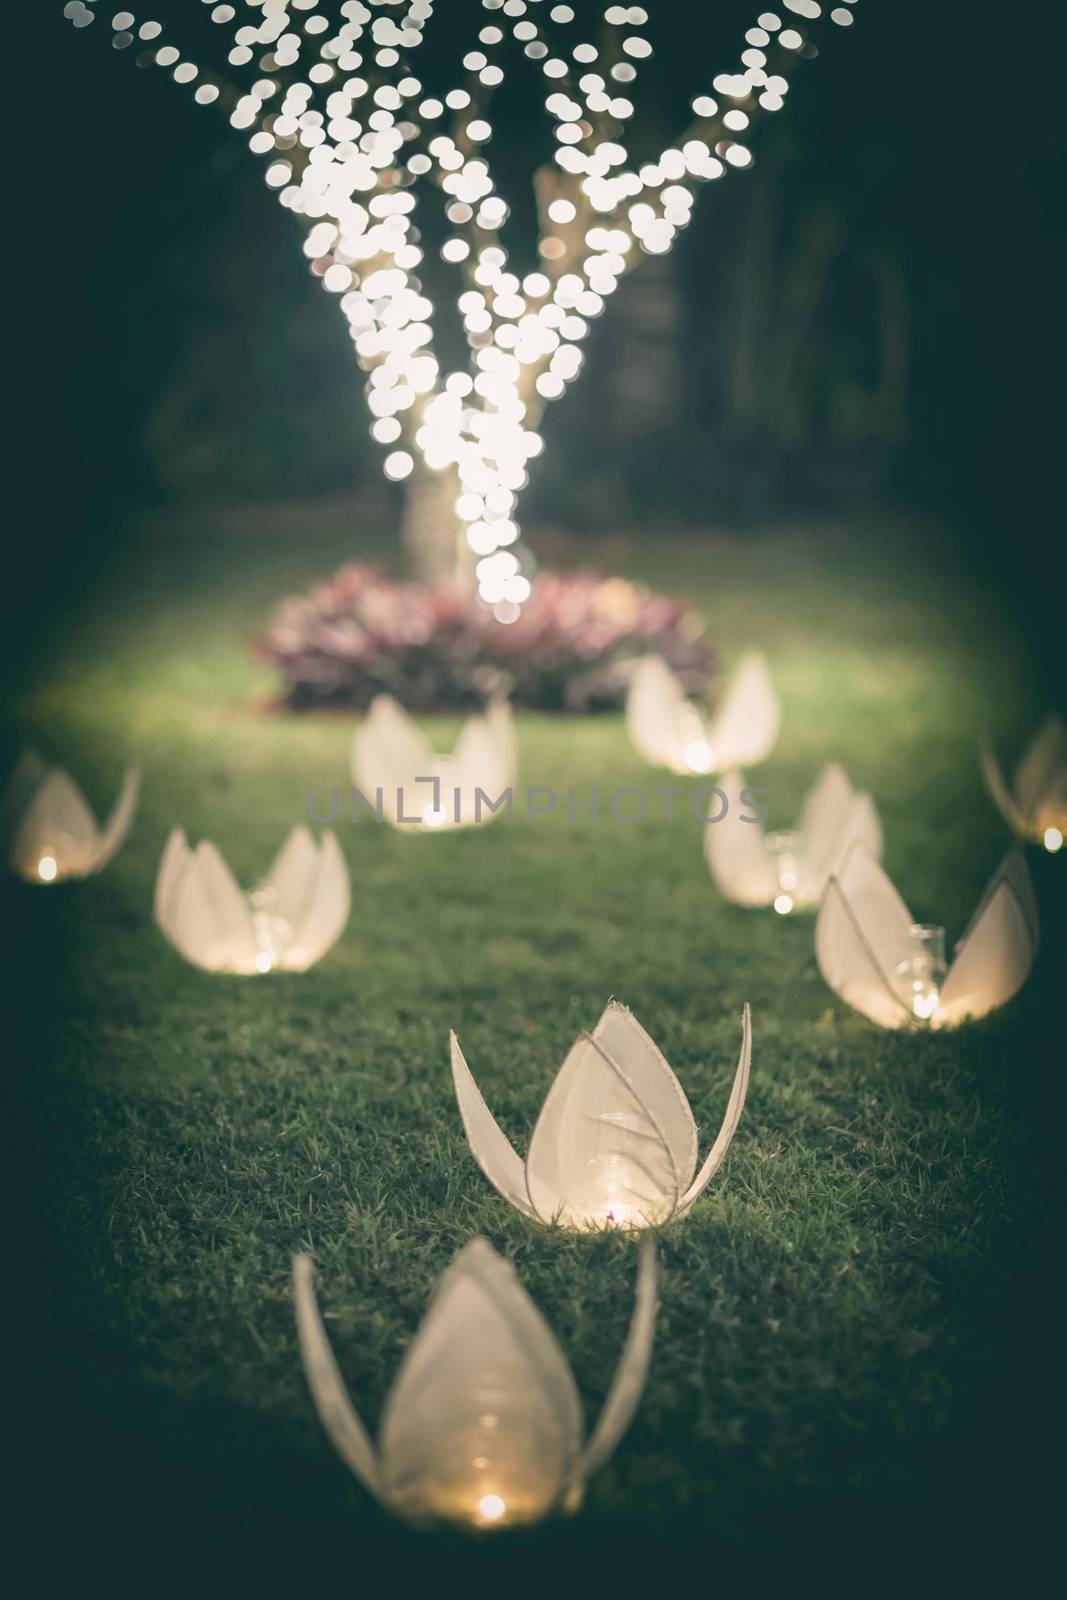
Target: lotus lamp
<point x="615" y="1145"/>
<point x="51" y="832"/>
<point x="1035" y="807"/>
<point x="483" y="1425"/>
<point x="878" y="959"/>
<point x="789" y="870"/>
<point x="421" y="790"/>
<point x="669" y="731"/>
<point x="286" y="924"/>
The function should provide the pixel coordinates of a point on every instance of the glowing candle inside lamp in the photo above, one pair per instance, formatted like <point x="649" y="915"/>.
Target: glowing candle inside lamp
<point x="919" y="978"/>
<point x="272" y="933"/>
<point x="698" y="755"/>
<point x="784" y="851"/>
<point x="491" y="1508"/>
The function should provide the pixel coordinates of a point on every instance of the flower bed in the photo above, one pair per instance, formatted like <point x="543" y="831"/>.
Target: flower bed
<point x="360" y="634"/>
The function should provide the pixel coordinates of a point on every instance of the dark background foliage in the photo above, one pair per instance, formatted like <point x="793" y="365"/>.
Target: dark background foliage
<point x="872" y="311"/>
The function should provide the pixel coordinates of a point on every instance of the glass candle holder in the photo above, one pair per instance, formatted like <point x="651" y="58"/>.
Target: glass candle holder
<point x="784" y="849"/>
<point x="272" y="932"/>
<point x="918" y="979"/>
<point x="699" y="756"/>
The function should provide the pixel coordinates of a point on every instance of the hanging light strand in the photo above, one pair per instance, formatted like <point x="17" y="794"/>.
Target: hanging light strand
<point x="346" y="131"/>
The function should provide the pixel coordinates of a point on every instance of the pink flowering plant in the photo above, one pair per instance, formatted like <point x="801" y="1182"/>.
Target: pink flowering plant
<point x="360" y="634"/>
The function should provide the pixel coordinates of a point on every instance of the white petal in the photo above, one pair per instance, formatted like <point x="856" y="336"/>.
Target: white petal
<point x="319" y="924"/>
<point x="27" y="777"/>
<point x="998" y="791"/>
<point x="861" y="935"/>
<point x="995" y="955"/>
<point x="822" y="816"/>
<point x="738" y="860"/>
<point x="658" y="714"/>
<point x="290" y="883"/>
<point x="744" y="730"/>
<point x="478" y="762"/>
<point x="1041" y="778"/>
<point x="878" y="908"/>
<point x="56" y="822"/>
<point x="648" y="1074"/>
<point x="346" y="1431"/>
<point x="734" y="1107"/>
<point x="598" y="1157"/>
<point x="113" y="835"/>
<point x="173" y="865"/>
<point x="483" y="1422"/>
<point x="211" y="922"/>
<point x="630" y="1374"/>
<point x="1013" y="871"/>
<point x="860" y="830"/>
<point x="389" y="753"/>
<point x="490" y="1146"/>
<point x="502" y="726"/>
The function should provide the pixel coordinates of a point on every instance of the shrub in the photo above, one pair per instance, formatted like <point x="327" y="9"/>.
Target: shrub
<point x="360" y="634"/>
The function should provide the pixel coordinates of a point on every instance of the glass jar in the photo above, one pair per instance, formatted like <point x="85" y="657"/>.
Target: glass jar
<point x="919" y="977"/>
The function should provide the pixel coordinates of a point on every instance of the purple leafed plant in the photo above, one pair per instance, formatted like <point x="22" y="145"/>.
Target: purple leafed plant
<point x="361" y="634"/>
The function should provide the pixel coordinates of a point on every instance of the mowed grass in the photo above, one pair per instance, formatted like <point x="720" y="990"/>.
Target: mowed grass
<point x="833" y="1310"/>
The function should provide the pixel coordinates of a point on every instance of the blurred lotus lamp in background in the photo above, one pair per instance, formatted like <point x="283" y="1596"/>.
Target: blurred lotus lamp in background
<point x="50" y="832"/>
<point x="789" y="870"/>
<point x="1035" y="807"/>
<point x="350" y="139"/>
<point x="483" y="1425"/>
<point x="669" y="731"/>
<point x="421" y="790"/>
<point x="877" y="958"/>
<point x="286" y="924"/>
<point x="615" y="1145"/>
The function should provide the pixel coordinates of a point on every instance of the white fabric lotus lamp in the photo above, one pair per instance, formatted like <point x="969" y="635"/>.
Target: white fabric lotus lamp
<point x="287" y="923"/>
<point x="52" y="834"/>
<point x="615" y="1145"/>
<point x="483" y="1425"/>
<point x="668" y="730"/>
<point x="1035" y="807"/>
<point x="422" y="790"/>
<point x="879" y="960"/>
<point x="789" y="870"/>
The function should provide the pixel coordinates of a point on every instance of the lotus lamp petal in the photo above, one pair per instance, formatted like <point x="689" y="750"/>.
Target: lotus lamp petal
<point x="1035" y="807"/>
<point x="287" y="923"/>
<point x="483" y="1424"/>
<point x="615" y="1145"/>
<point x="51" y="832"/>
<point x="875" y="956"/>
<point x="789" y="870"/>
<point x="669" y="731"/>
<point x="422" y="790"/>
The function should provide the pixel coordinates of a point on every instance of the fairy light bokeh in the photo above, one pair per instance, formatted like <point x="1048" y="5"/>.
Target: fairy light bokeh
<point x="329" y="98"/>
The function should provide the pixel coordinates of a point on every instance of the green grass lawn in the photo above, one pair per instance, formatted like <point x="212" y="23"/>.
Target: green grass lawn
<point x="837" y="1312"/>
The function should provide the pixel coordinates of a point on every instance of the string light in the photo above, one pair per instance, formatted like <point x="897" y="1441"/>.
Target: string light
<point x="333" y="106"/>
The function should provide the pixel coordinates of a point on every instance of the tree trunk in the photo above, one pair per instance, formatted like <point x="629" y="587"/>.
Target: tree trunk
<point x="434" y="539"/>
<point x="647" y="368"/>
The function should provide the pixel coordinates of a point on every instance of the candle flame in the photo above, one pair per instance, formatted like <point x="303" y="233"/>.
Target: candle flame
<point x="491" y="1507"/>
